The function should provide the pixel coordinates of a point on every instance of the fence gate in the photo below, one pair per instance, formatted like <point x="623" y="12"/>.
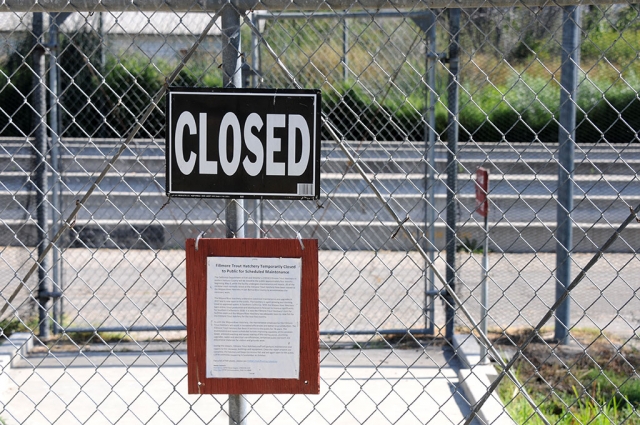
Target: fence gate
<point x="425" y="316"/>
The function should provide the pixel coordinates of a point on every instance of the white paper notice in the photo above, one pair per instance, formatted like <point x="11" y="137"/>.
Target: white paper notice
<point x="253" y="317"/>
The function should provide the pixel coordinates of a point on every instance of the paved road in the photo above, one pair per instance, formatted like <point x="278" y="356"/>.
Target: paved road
<point x="359" y="290"/>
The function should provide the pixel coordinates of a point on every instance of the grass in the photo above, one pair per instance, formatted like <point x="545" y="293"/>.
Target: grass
<point x="471" y="245"/>
<point x="31" y="325"/>
<point x="597" y="385"/>
<point x="570" y="409"/>
<point x="82" y="338"/>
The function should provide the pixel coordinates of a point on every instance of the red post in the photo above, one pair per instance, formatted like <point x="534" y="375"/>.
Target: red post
<point x="482" y="188"/>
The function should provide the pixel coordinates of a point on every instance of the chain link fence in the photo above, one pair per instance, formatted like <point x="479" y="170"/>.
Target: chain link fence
<point x="420" y="320"/>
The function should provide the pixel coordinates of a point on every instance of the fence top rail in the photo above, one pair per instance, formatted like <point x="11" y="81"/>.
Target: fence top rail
<point x="272" y="5"/>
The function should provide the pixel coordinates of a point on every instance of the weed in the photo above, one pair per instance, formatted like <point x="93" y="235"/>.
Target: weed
<point x="596" y="386"/>
<point x="13" y="325"/>
<point x="470" y="245"/>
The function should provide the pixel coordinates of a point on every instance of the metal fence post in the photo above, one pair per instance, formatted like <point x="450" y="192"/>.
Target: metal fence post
<point x="56" y="204"/>
<point x="255" y="52"/>
<point x="256" y="205"/>
<point x="566" y="140"/>
<point x="452" y="166"/>
<point x="345" y="49"/>
<point x="427" y="24"/>
<point x="234" y="213"/>
<point x="39" y="126"/>
<point x="432" y="58"/>
<point x="232" y="77"/>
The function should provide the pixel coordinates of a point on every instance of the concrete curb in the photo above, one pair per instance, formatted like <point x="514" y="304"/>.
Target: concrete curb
<point x="475" y="378"/>
<point x="14" y="348"/>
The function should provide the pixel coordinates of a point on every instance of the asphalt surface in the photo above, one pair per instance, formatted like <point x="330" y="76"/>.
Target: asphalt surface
<point x="359" y="290"/>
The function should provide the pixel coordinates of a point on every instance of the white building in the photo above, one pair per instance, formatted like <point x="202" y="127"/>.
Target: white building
<point x="159" y="36"/>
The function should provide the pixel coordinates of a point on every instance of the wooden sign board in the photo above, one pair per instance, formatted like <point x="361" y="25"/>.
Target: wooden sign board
<point x="253" y="316"/>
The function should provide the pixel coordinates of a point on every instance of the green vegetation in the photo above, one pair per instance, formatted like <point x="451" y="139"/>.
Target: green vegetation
<point x="599" y="407"/>
<point x="130" y="83"/>
<point x="510" y="70"/>
<point x="84" y="338"/>
<point x="470" y="245"/>
<point x="31" y="325"/>
<point x="15" y="83"/>
<point x="13" y="325"/>
<point x="524" y="105"/>
<point x="595" y="386"/>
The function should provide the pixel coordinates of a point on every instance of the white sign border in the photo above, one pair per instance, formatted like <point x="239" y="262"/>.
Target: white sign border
<point x="195" y="194"/>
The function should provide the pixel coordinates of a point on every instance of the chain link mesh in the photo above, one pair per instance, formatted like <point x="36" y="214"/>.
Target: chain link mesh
<point x="95" y="328"/>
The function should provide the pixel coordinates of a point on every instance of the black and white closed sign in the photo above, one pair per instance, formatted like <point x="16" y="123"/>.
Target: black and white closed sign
<point x="244" y="143"/>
